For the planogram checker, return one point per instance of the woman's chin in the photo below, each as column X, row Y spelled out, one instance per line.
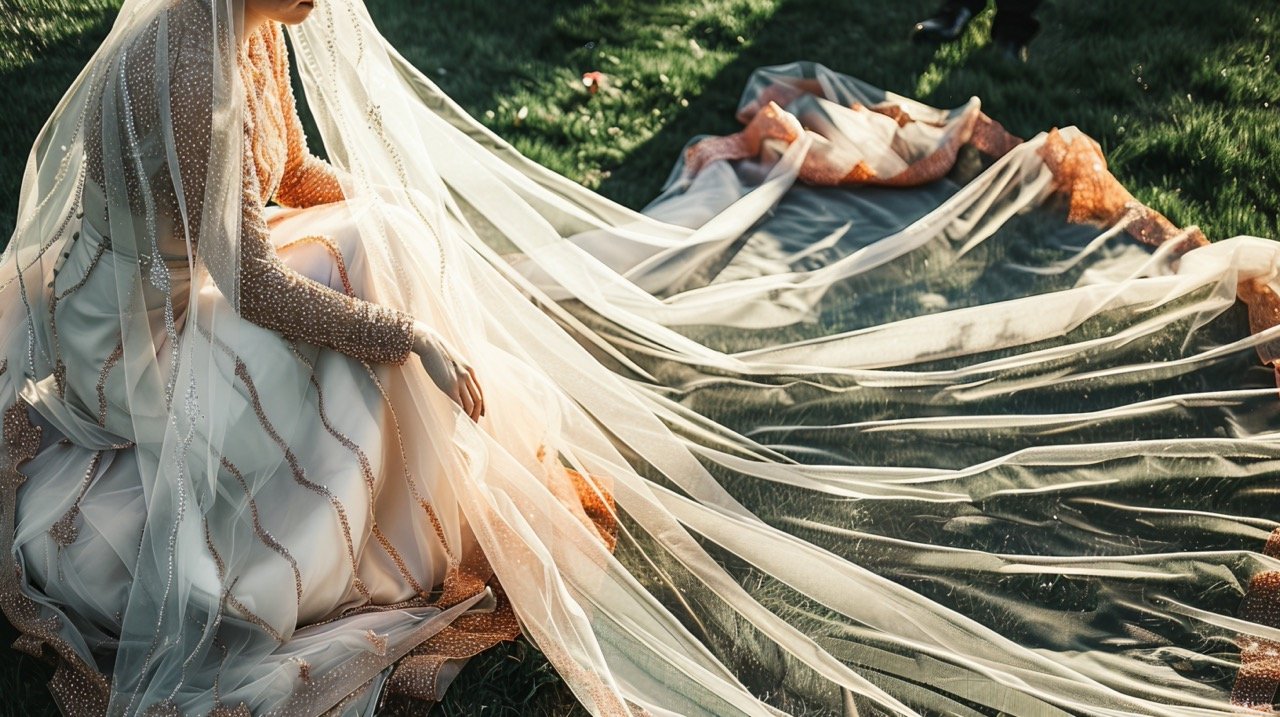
column 298, row 13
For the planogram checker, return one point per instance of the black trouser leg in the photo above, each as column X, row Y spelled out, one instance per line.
column 1015, row 21
column 949, row 22
column 973, row 6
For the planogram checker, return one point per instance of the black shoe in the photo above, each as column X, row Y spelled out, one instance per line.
column 946, row 26
column 1011, row 51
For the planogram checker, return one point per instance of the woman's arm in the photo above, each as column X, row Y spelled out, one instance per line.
column 276, row 297
column 244, row 264
column 308, row 180
column 270, row 294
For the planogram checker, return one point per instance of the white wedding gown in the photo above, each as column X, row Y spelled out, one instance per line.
column 875, row 410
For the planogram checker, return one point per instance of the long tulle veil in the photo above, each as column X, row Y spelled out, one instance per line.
column 1005, row 447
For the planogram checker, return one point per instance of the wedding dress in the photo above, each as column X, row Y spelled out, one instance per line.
column 876, row 410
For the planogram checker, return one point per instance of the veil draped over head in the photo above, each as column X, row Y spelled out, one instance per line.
column 875, row 410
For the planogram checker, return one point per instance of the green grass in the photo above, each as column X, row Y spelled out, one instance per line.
column 1182, row 96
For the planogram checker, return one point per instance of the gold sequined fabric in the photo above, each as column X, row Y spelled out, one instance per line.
column 1264, row 313
column 1258, row 677
column 831, row 162
column 1094, row 196
column 417, row 676
column 307, row 180
column 77, row 687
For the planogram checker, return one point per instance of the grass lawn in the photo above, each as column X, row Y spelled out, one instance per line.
column 1182, row 96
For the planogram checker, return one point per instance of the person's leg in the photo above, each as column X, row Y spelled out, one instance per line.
column 1014, row 26
column 323, row 244
column 973, row 6
column 949, row 22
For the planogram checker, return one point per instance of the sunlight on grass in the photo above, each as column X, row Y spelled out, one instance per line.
column 656, row 59
column 954, row 54
column 27, row 35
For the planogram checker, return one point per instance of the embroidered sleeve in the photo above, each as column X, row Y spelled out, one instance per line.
column 244, row 264
column 308, row 180
column 276, row 297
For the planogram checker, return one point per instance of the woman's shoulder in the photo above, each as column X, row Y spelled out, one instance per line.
column 197, row 41
column 180, row 45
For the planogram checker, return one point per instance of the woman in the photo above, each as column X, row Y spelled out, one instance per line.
column 231, row 491
column 152, row 262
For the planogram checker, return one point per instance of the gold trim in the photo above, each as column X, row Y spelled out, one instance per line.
column 300, row 476
column 77, row 687
column 114, row 357
column 366, row 472
column 265, row 536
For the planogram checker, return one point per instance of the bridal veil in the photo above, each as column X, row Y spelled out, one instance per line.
column 875, row 410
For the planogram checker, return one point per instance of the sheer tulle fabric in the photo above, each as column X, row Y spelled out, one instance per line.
column 803, row 437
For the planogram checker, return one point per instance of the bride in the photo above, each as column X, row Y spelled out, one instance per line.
column 876, row 410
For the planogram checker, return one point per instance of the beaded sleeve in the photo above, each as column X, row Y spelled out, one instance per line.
column 308, row 180
column 276, row 297
column 246, row 265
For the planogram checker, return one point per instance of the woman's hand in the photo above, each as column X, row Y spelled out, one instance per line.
column 448, row 370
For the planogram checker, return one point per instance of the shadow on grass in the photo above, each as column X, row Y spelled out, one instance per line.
column 799, row 30
column 1179, row 95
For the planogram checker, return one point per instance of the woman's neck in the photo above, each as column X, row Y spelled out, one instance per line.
column 253, row 22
